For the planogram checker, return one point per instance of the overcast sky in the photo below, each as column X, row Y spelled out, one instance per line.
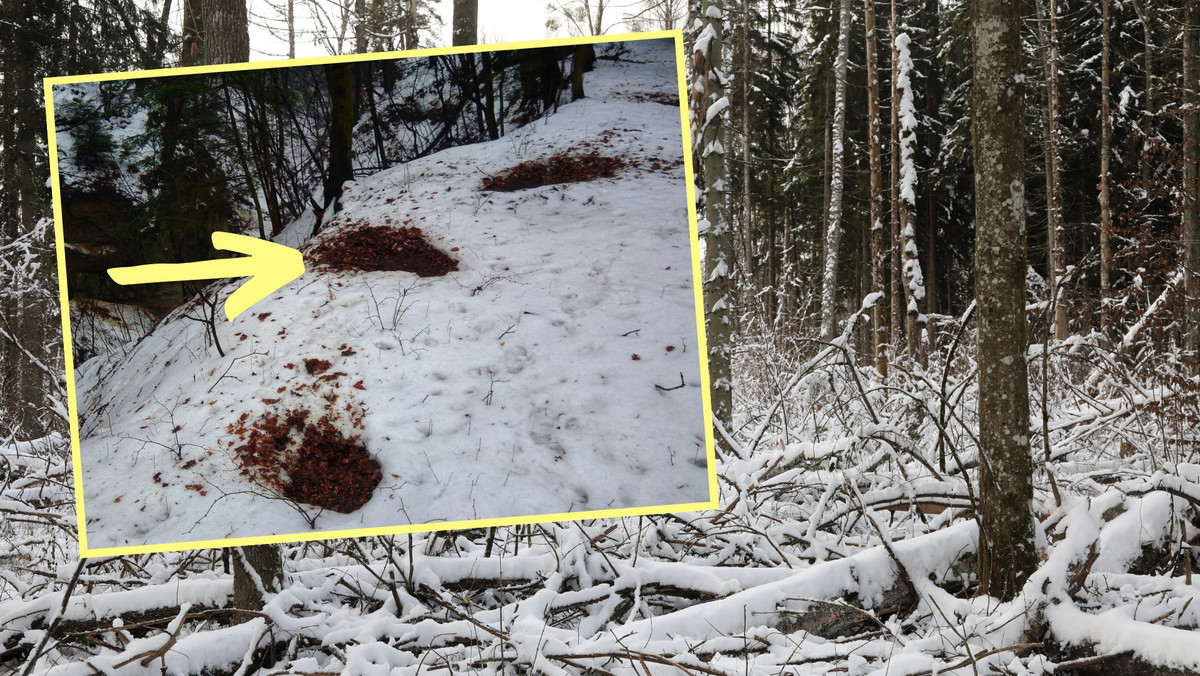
column 499, row 21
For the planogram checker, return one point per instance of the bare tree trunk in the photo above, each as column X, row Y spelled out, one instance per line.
column 1007, row 552
column 360, row 26
column 1191, row 177
column 224, row 38
column 1056, row 214
column 878, row 237
column 1147, row 19
column 466, row 22
column 291, row 25
column 226, row 31
column 718, row 255
column 1106, row 228
column 914, row 283
column 894, row 191
column 833, row 229
column 1054, row 222
column 257, row 571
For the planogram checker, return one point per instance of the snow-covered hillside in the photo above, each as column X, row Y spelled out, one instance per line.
column 541, row 377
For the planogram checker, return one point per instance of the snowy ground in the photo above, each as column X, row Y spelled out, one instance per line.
column 522, row 384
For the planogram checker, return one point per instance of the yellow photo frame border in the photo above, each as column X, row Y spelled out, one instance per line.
column 680, row 62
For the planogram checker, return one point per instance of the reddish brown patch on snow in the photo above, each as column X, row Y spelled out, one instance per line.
column 560, row 168
column 309, row 462
column 375, row 248
column 316, row 366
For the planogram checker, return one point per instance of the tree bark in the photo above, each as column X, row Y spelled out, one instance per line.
column 578, row 60
column 1054, row 200
column 718, row 255
column 833, row 229
column 257, row 571
column 466, row 22
column 1007, row 551
column 1106, row 228
column 1191, row 177
column 341, row 130
column 897, row 277
column 879, row 275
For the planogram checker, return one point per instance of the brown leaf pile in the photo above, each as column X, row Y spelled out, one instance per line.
column 308, row 462
column 560, row 168
column 375, row 248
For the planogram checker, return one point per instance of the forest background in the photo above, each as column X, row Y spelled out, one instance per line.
column 857, row 443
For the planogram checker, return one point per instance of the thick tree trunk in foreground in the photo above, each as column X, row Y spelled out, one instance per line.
column 224, row 38
column 1007, row 554
column 264, row 574
column 215, row 31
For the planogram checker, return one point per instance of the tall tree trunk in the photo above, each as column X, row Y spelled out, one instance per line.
column 1145, row 15
column 215, row 31
column 1106, row 227
column 897, row 277
column 257, row 571
column 192, row 38
column 226, row 31
column 1191, row 176
column 879, row 328
column 579, row 59
column 489, row 96
column 1007, row 552
column 931, row 142
column 466, row 22
column 341, row 130
column 718, row 255
column 411, row 26
column 360, row 26
column 1054, row 200
column 291, row 26
column 914, row 283
column 747, row 221
column 833, row 229
column 222, row 36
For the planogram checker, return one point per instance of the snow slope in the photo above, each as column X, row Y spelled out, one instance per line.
column 524, row 383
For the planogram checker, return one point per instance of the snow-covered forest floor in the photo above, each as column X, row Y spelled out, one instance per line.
column 845, row 543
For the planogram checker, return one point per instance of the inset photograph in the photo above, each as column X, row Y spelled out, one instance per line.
column 496, row 318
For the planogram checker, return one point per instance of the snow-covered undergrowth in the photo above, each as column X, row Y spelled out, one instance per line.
column 845, row 544
column 554, row 371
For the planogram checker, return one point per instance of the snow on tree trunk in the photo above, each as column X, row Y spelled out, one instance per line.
column 257, row 572
column 914, row 282
column 1054, row 201
column 1007, row 552
column 897, row 275
column 1191, row 178
column 878, row 236
column 833, row 229
column 1106, row 227
column 718, row 238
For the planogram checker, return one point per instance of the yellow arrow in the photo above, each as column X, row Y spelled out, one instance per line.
column 267, row 264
